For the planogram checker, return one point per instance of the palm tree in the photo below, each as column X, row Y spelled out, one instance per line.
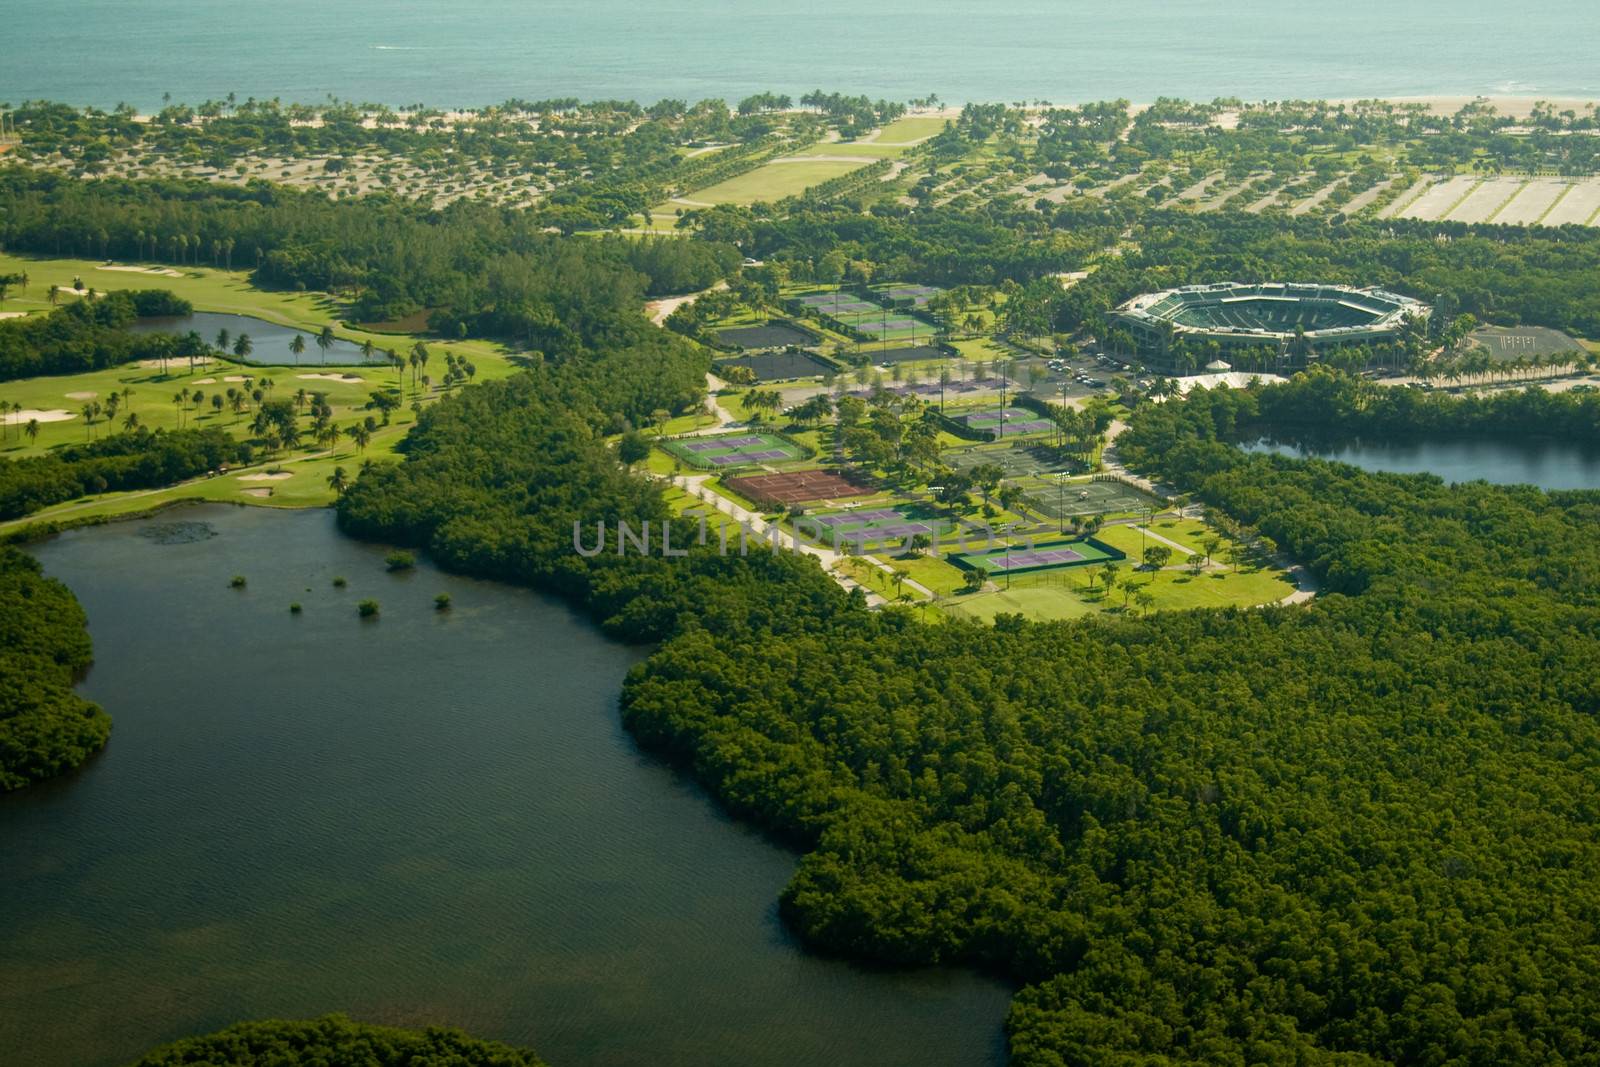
column 297, row 346
column 32, row 430
column 55, row 295
column 361, row 436
column 131, row 423
column 367, row 348
column 338, row 481
column 88, row 420
column 325, row 341
column 242, row 347
column 223, row 340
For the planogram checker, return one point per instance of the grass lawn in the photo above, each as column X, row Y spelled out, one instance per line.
column 911, row 128
column 940, row 575
column 151, row 398
column 981, row 348
column 149, row 392
column 1131, row 541
column 774, row 181
column 1065, row 594
column 231, row 291
column 305, row 486
column 867, row 151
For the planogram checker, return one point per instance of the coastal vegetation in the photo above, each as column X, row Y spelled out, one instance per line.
column 45, row 728
column 1137, row 857
column 1360, row 831
column 332, row 1041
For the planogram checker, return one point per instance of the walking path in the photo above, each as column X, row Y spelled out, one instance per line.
column 694, row 485
column 1305, row 583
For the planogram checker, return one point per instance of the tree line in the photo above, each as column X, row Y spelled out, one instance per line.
column 45, row 727
column 335, row 1041
column 471, row 266
column 135, row 459
column 86, row 335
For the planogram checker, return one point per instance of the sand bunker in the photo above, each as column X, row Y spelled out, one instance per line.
column 235, row 378
column 332, row 377
column 267, row 476
column 256, row 492
column 27, row 415
column 165, row 272
column 175, row 361
column 205, row 381
column 13, row 314
column 81, row 396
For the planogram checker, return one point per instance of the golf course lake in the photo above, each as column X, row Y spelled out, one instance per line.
column 427, row 817
column 269, row 342
column 1548, row 464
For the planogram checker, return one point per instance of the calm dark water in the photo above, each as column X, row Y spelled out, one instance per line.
column 269, row 342
column 1547, row 464
column 428, row 818
column 475, row 52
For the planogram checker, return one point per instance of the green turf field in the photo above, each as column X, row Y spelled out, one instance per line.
column 774, row 181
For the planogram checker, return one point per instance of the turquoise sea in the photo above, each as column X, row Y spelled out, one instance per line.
column 474, row 52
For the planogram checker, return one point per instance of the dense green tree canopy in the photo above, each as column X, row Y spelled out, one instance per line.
column 45, row 728
column 335, row 1041
column 87, row 335
column 1359, row 831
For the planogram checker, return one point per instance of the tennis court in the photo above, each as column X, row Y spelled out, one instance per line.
column 771, row 335
column 917, row 295
column 1020, row 558
column 874, row 525
column 778, row 366
column 1008, row 422
column 733, row 450
column 1078, row 499
column 1017, row 461
column 796, row 487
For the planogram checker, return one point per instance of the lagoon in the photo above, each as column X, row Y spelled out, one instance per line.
column 1548, row 464
column 433, row 817
column 269, row 342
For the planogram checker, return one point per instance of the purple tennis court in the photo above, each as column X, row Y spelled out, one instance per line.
column 1008, row 421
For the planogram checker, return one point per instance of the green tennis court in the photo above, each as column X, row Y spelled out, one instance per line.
column 1018, row 559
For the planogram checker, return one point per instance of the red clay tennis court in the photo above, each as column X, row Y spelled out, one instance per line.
column 795, row 487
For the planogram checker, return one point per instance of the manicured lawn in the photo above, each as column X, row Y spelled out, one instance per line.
column 940, row 575
column 912, row 128
column 867, row 151
column 151, row 398
column 1066, row 595
column 150, row 393
column 771, row 182
column 231, row 291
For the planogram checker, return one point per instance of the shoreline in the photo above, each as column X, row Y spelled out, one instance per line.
column 1510, row 105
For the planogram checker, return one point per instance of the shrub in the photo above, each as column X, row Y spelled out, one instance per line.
column 237, row 582
column 400, row 560
column 367, row 609
column 441, row 602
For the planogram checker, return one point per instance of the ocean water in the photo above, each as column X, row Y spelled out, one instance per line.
column 474, row 52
